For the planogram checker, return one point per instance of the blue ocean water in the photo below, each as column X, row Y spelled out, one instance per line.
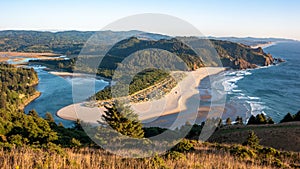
column 273, row 90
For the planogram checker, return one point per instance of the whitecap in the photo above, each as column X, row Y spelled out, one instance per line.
column 253, row 98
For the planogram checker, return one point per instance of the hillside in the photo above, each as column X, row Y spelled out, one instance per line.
column 129, row 46
column 228, row 54
column 231, row 54
column 283, row 136
column 65, row 43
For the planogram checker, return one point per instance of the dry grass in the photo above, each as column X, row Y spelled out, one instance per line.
column 283, row 136
column 89, row 158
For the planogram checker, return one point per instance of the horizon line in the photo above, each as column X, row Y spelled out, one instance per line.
column 208, row 36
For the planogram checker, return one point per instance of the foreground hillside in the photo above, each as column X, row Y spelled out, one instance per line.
column 202, row 155
column 283, row 136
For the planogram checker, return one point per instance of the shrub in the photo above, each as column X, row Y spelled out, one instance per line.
column 252, row 140
column 158, row 162
column 242, row 152
column 183, row 146
column 174, row 155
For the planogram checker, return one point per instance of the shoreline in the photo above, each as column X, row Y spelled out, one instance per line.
column 4, row 56
column 36, row 95
column 70, row 74
column 178, row 100
column 264, row 45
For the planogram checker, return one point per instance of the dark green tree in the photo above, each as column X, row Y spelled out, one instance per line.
column 239, row 120
column 297, row 116
column 252, row 120
column 123, row 120
column 287, row 118
column 261, row 119
column 270, row 120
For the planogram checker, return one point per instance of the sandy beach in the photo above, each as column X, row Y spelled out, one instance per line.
column 184, row 98
column 68, row 74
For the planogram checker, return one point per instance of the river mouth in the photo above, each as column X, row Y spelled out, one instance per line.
column 56, row 91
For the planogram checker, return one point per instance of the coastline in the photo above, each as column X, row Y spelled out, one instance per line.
column 175, row 101
column 263, row 45
column 36, row 95
column 4, row 56
column 70, row 74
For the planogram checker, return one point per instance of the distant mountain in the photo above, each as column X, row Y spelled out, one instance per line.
column 66, row 42
column 230, row 52
column 250, row 41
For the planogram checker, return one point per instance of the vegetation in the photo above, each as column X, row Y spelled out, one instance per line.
column 252, row 140
column 18, row 129
column 67, row 42
column 17, row 85
column 260, row 119
column 289, row 117
column 205, row 155
column 123, row 120
column 141, row 81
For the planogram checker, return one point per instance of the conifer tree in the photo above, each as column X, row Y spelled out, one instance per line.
column 287, row 118
column 122, row 119
column 228, row 121
column 252, row 140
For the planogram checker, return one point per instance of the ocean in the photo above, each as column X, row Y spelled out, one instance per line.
column 272, row 90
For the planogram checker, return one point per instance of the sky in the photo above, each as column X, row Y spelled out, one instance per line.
column 239, row 18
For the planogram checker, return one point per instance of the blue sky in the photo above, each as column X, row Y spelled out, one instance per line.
column 256, row 18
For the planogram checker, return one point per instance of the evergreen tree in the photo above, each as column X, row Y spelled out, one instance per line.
column 252, row 120
column 122, row 119
column 239, row 120
column 228, row 121
column 287, row 118
column 297, row 116
column 49, row 117
column 33, row 113
column 252, row 140
column 261, row 119
column 270, row 121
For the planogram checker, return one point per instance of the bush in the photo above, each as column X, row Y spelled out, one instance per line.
column 183, row 146
column 252, row 140
column 242, row 152
column 174, row 155
column 158, row 162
